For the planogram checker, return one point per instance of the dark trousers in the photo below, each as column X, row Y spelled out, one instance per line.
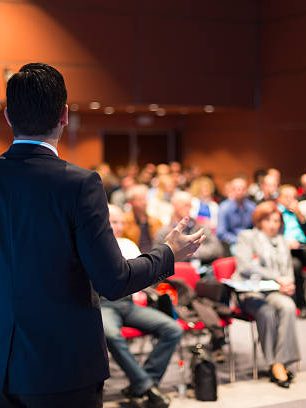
column 299, row 262
column 89, row 397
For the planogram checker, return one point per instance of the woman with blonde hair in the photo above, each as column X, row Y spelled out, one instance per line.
column 204, row 208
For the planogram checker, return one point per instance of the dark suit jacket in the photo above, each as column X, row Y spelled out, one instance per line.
column 56, row 245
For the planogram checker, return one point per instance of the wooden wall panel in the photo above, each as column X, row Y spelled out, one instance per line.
column 283, row 48
column 196, row 61
column 138, row 52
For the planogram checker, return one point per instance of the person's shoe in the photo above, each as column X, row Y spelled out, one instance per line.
column 290, row 375
column 282, row 379
column 134, row 401
column 127, row 392
column 156, row 399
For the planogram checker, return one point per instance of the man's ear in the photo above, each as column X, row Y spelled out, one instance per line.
column 7, row 117
column 64, row 116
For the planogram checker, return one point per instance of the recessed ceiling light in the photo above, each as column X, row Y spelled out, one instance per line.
column 153, row 107
column 74, row 107
column 130, row 109
column 109, row 110
column 94, row 105
column 209, row 108
column 161, row 112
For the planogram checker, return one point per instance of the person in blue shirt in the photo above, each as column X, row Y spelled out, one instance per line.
column 235, row 214
column 295, row 235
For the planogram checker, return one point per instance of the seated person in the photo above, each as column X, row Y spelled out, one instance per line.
column 159, row 198
column 139, row 227
column 254, row 189
column 211, row 249
column 302, row 188
column 204, row 207
column 268, row 189
column 263, row 253
column 118, row 197
column 143, row 380
column 294, row 233
column 235, row 214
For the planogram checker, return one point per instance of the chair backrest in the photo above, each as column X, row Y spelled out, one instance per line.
column 186, row 272
column 224, row 268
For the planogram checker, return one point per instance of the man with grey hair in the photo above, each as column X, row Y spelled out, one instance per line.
column 182, row 203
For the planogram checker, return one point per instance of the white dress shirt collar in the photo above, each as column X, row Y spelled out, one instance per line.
column 37, row 142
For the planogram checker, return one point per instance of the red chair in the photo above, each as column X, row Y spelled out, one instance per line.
column 224, row 268
column 187, row 273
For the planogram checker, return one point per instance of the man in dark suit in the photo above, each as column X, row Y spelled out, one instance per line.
column 57, row 255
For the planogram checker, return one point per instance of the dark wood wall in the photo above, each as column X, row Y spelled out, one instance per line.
column 246, row 54
column 166, row 51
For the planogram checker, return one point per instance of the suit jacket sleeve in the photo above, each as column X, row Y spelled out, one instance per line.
column 111, row 275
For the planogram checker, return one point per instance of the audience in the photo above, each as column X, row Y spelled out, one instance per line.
column 262, row 253
column 254, row 190
column 294, row 233
column 268, row 189
column 275, row 248
column 118, row 197
column 144, row 379
column 302, row 188
column 139, row 226
column 204, row 208
column 211, row 249
column 276, row 174
column 235, row 214
column 159, row 205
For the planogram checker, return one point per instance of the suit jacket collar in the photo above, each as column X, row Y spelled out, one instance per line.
column 28, row 150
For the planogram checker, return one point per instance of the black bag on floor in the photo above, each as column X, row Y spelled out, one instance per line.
column 204, row 379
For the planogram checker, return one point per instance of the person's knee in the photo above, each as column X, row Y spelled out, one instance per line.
column 288, row 307
column 113, row 336
column 266, row 313
column 172, row 330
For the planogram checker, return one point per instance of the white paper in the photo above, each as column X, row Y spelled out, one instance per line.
column 251, row 286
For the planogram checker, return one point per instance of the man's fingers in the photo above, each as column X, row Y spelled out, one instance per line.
column 197, row 236
column 182, row 224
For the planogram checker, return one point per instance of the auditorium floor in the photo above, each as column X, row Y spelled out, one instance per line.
column 244, row 393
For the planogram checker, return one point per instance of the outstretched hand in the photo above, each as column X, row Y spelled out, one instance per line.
column 183, row 246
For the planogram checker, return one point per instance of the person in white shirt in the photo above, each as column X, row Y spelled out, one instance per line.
column 143, row 380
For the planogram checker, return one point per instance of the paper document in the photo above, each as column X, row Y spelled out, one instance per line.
column 251, row 286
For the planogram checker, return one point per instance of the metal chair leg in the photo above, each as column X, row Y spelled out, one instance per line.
column 255, row 344
column 232, row 370
column 298, row 365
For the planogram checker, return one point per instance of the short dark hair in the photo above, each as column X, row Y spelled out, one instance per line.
column 36, row 97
